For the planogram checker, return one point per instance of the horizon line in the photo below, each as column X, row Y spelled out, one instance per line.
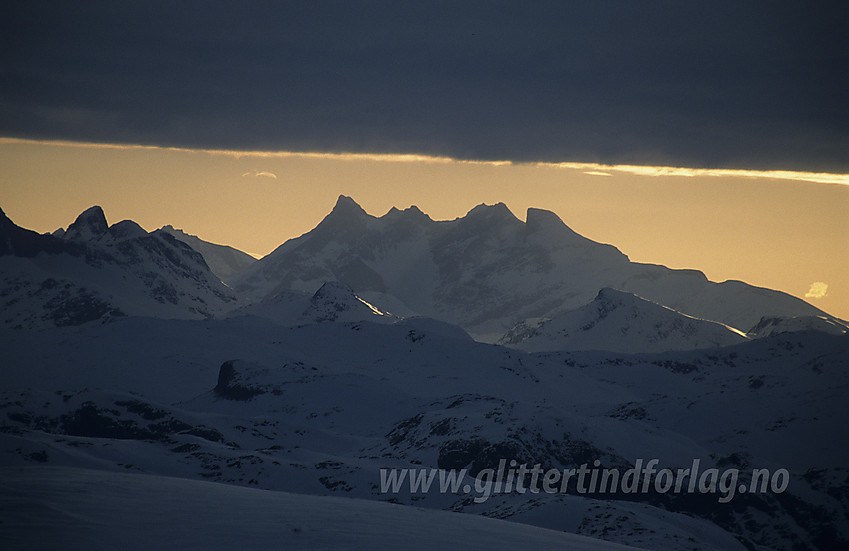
column 592, row 169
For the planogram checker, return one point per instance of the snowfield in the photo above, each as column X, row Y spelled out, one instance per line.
column 81, row 509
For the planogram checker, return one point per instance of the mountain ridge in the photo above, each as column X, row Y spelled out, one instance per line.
column 488, row 270
column 485, row 272
column 95, row 272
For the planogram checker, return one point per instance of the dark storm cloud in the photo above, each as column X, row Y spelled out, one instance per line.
column 733, row 84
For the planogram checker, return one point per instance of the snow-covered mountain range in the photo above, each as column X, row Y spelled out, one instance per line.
column 489, row 270
column 94, row 272
column 140, row 393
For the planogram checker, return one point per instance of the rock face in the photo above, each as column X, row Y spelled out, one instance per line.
column 489, row 270
column 234, row 382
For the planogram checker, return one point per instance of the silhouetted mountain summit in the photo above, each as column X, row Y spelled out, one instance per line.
column 90, row 224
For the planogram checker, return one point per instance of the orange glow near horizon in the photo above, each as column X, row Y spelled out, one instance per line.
column 777, row 229
column 593, row 169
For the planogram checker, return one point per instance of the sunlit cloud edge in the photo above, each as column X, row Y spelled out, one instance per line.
column 587, row 168
column 259, row 174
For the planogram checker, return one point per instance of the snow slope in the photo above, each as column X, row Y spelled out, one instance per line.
column 620, row 322
column 62, row 508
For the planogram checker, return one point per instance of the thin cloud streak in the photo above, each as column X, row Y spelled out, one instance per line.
column 594, row 169
column 259, row 174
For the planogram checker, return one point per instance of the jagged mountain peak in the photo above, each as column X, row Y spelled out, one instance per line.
column 346, row 217
column 91, row 223
column 347, row 206
column 172, row 230
column 487, row 270
column 410, row 213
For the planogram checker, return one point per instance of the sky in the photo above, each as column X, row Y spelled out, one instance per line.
column 489, row 101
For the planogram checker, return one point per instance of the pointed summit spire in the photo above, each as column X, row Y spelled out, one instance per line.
column 90, row 224
column 347, row 218
column 346, row 205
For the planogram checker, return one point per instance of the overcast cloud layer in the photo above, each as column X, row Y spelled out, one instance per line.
column 760, row 85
